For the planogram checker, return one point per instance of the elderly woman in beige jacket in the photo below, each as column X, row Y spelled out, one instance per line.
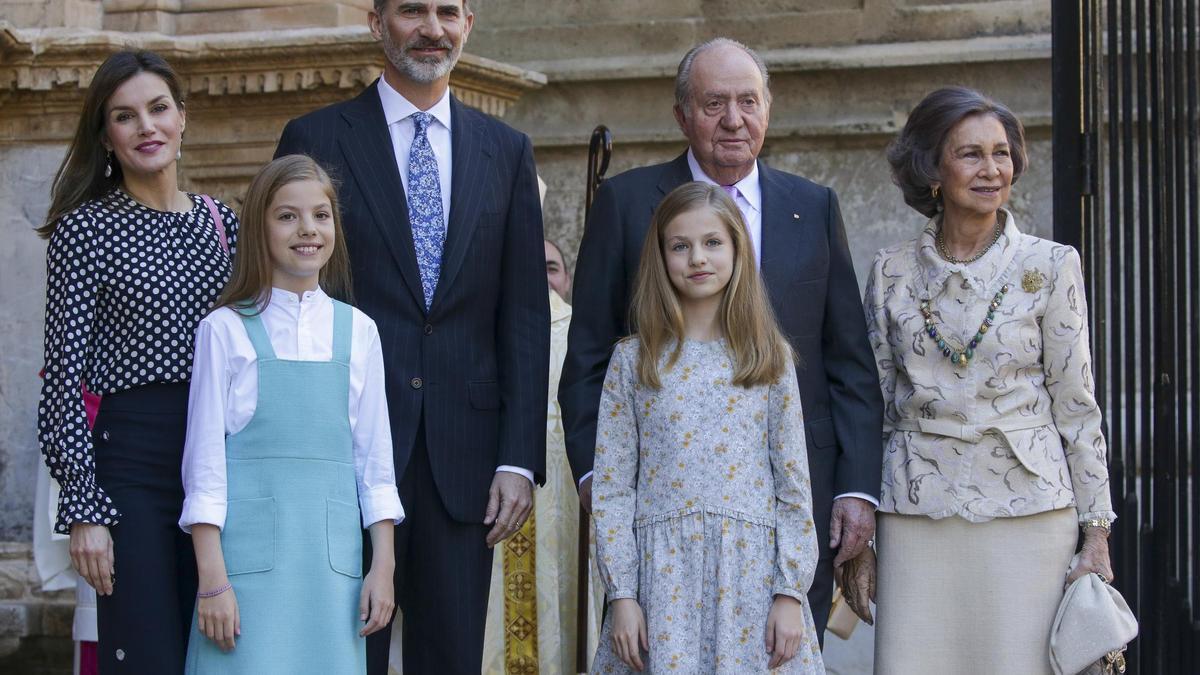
column 994, row 457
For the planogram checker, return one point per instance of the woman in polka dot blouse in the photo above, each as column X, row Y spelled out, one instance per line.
column 133, row 264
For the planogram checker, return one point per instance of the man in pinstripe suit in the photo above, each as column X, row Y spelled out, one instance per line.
column 444, row 230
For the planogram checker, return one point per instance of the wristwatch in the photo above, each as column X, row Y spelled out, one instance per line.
column 1102, row 523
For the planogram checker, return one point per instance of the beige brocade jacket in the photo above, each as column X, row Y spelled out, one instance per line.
column 1016, row 431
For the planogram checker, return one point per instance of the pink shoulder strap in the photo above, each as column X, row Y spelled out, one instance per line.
column 216, row 214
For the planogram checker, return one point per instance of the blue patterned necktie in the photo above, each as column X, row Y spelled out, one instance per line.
column 425, row 206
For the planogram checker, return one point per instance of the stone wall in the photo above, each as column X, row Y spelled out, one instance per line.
column 844, row 74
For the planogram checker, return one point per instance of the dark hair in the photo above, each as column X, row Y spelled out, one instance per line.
column 251, row 280
column 81, row 177
column 916, row 151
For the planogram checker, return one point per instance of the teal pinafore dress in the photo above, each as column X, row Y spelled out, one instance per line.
column 293, row 534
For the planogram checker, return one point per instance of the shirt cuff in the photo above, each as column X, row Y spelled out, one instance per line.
column 517, row 470
column 202, row 509
column 1097, row 515
column 585, row 477
column 859, row 495
column 782, row 589
column 380, row 503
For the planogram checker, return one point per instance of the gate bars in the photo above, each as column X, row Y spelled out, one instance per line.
column 1127, row 194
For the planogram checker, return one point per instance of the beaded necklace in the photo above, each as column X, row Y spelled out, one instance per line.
column 957, row 356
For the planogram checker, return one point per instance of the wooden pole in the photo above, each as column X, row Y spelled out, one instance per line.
column 599, row 153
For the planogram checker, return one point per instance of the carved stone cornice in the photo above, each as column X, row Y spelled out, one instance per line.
column 240, row 88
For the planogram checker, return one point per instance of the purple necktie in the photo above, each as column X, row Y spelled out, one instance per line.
column 732, row 190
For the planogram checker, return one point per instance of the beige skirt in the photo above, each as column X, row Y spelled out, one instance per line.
column 958, row 597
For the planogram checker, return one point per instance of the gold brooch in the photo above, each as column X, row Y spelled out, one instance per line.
column 1032, row 281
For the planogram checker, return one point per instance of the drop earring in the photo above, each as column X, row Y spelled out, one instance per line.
column 108, row 165
column 179, row 153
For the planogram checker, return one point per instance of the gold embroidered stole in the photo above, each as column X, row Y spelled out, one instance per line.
column 520, row 601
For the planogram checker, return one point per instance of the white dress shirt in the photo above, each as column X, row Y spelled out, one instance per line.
column 224, row 395
column 749, row 202
column 398, row 111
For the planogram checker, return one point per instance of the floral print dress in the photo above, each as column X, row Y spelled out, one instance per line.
column 703, row 511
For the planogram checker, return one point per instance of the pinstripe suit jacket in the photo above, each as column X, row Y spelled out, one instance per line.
column 475, row 365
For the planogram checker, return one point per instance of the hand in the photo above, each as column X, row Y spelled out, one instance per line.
column 851, row 527
column 585, row 495
column 509, row 502
column 92, row 554
column 857, row 581
column 785, row 630
column 1093, row 557
column 218, row 617
column 629, row 632
column 377, row 600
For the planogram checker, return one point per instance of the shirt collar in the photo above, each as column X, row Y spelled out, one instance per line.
column 987, row 272
column 287, row 298
column 749, row 188
column 397, row 108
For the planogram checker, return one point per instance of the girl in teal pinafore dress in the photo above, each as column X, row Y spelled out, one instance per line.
column 288, row 454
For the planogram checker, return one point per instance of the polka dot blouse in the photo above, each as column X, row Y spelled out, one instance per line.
column 126, row 287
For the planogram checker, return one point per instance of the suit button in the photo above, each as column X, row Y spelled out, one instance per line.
column 429, row 329
column 416, row 383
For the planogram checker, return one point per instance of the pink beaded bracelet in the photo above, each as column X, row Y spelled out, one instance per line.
column 213, row 594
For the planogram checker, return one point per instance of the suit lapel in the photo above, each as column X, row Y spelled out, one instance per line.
column 367, row 146
column 676, row 173
column 471, row 155
column 782, row 231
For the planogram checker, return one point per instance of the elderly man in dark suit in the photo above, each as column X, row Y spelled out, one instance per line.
column 722, row 106
column 444, row 230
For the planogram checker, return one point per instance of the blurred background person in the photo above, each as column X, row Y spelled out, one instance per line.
column 535, row 576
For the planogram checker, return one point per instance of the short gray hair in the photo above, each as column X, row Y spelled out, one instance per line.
column 683, row 77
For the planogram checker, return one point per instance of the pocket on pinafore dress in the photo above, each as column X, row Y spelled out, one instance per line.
column 248, row 539
column 344, row 530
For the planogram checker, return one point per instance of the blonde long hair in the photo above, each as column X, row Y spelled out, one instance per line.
column 760, row 351
column 252, row 267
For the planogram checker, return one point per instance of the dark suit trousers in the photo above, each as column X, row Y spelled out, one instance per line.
column 443, row 574
column 820, row 596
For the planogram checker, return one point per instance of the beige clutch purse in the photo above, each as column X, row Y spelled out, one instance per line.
column 842, row 619
column 1091, row 629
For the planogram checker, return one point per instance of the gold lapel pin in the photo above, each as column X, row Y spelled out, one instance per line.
column 1032, row 281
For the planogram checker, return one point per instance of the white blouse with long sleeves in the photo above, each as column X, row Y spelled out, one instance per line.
column 224, row 395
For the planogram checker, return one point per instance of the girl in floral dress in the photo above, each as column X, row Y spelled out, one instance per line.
column 703, row 509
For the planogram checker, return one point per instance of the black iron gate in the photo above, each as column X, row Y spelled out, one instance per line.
column 1127, row 194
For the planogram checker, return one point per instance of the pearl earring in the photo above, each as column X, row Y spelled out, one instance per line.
column 108, row 165
column 179, row 153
